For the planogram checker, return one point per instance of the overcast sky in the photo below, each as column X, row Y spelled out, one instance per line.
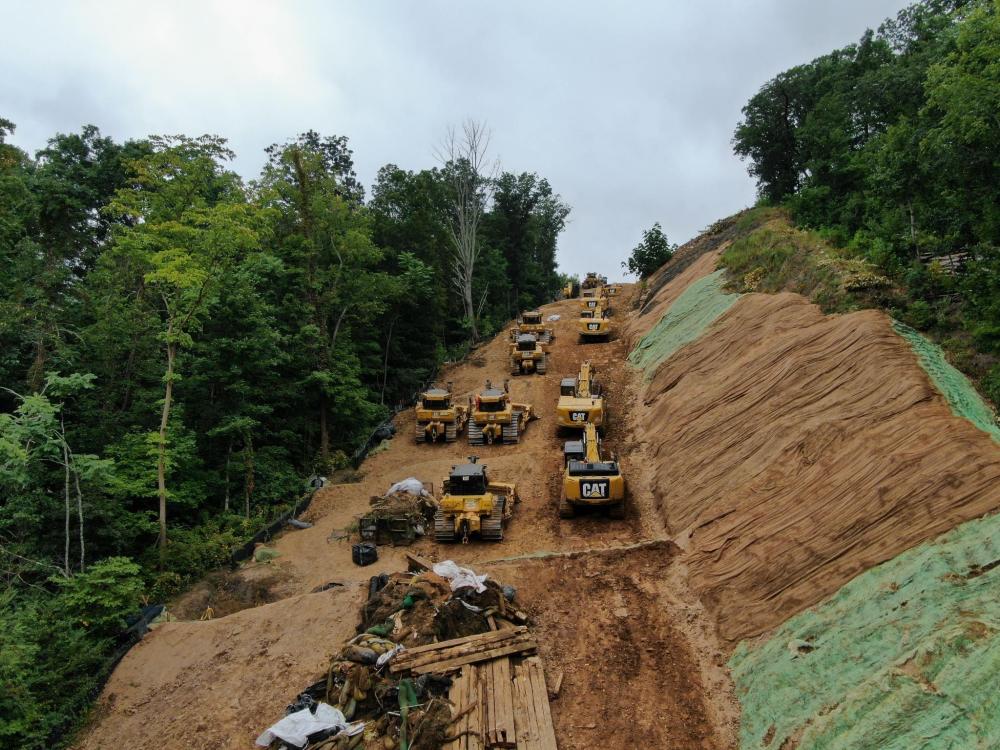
column 627, row 108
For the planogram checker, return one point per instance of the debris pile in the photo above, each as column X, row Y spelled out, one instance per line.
column 424, row 640
column 399, row 516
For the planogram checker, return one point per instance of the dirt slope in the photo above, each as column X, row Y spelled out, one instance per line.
column 217, row 684
column 792, row 451
column 640, row 660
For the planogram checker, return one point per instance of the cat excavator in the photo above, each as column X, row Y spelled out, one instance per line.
column 590, row 481
column 581, row 401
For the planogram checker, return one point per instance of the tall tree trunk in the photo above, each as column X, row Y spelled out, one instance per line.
column 229, row 455
column 36, row 373
column 385, row 362
column 79, row 513
column 161, row 467
column 324, row 432
column 248, row 484
column 913, row 230
column 65, row 449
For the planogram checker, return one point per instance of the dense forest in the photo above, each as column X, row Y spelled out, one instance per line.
column 181, row 349
column 890, row 149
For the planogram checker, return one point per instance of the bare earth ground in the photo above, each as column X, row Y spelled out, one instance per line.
column 610, row 603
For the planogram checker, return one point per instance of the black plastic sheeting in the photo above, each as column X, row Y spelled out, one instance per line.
column 245, row 551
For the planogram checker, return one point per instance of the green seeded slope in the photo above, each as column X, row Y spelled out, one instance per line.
column 905, row 656
column 953, row 385
column 689, row 316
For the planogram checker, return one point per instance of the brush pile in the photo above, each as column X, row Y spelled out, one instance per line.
column 366, row 701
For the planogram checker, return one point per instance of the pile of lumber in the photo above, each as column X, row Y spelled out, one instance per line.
column 450, row 655
column 501, row 703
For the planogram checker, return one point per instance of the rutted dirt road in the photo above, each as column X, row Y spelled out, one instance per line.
column 641, row 666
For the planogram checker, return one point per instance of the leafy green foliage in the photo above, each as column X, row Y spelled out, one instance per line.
column 654, row 250
column 169, row 332
column 888, row 147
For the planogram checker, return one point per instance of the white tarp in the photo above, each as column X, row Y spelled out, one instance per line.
column 411, row 486
column 553, row 318
column 296, row 728
column 459, row 577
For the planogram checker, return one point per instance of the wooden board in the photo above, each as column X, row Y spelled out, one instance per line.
column 509, row 706
column 519, row 646
column 448, row 651
column 479, row 637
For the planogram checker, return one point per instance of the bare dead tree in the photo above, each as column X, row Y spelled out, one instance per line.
column 464, row 157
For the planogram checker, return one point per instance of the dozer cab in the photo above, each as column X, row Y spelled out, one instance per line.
column 580, row 401
column 531, row 323
column 590, row 480
column 438, row 418
column 592, row 282
column 594, row 324
column 472, row 505
column 494, row 418
column 528, row 355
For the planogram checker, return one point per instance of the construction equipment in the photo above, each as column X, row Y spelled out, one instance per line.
column 594, row 324
column 571, row 290
column 473, row 505
column 527, row 355
column 612, row 290
column 493, row 417
column 438, row 418
column 581, row 401
column 531, row 323
column 590, row 480
column 592, row 283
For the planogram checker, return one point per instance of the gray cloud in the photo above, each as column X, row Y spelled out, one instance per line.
column 627, row 108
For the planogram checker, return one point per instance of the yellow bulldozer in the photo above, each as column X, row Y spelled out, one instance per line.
column 581, row 401
column 472, row 505
column 571, row 290
column 438, row 418
column 527, row 355
column 531, row 323
column 594, row 324
column 591, row 284
column 590, row 481
column 494, row 418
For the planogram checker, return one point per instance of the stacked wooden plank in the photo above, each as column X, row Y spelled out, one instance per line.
column 501, row 703
column 450, row 655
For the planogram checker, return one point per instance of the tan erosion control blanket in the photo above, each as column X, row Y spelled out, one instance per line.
column 792, row 451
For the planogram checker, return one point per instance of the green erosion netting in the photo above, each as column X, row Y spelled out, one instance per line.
column 960, row 394
column 905, row 656
column 689, row 316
